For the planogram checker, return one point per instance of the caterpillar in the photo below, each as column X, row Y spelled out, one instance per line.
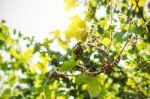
column 78, row 50
column 105, row 68
column 107, row 65
column 116, row 61
column 54, row 75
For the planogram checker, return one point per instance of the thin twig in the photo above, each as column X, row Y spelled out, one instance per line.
column 70, row 75
column 97, row 47
column 123, row 48
column 130, row 21
column 142, row 14
column 83, row 67
column 47, row 79
column 111, row 18
column 136, row 1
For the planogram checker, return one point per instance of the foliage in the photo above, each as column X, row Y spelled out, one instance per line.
column 111, row 59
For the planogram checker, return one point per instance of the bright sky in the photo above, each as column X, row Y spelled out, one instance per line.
column 34, row 17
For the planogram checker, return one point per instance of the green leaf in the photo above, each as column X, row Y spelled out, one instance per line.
column 3, row 30
column 137, row 29
column 112, row 27
column 132, row 51
column 103, row 94
column 118, row 36
column 103, row 24
column 93, row 86
column 47, row 92
column 92, row 82
column 68, row 65
column 6, row 93
column 148, row 56
column 82, row 79
column 73, row 56
column 124, row 57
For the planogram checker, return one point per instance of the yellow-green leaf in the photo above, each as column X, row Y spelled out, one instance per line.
column 27, row 55
column 62, row 44
column 77, row 29
column 105, row 41
column 140, row 2
column 56, row 33
column 14, row 53
column 70, row 4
